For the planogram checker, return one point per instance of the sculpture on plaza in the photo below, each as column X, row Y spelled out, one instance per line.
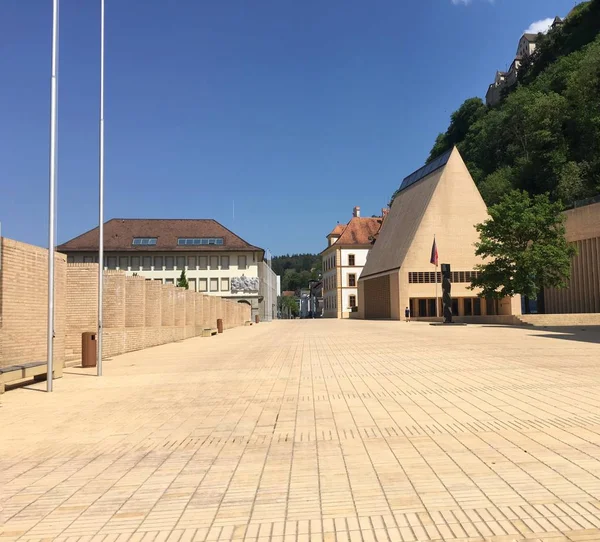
column 244, row 284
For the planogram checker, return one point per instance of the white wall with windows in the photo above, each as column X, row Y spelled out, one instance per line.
column 210, row 272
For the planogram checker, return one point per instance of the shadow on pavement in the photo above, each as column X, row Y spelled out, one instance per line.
column 588, row 334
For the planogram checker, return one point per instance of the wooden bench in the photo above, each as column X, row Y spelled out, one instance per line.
column 208, row 332
column 26, row 371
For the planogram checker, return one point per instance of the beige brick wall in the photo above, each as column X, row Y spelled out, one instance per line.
column 137, row 313
column 24, row 304
column 82, row 300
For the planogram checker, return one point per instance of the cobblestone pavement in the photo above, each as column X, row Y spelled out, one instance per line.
column 315, row 430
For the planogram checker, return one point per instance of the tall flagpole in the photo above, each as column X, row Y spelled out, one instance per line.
column 52, row 202
column 101, row 196
column 437, row 301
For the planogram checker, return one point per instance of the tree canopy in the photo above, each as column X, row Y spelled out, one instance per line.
column 524, row 247
column 297, row 270
column 544, row 137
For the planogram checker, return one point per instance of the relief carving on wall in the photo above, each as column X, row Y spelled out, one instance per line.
column 244, row 285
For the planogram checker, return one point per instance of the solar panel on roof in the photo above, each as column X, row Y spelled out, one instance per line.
column 434, row 165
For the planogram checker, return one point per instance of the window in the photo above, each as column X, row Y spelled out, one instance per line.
column 88, row 259
column 191, row 262
column 194, row 241
column 147, row 262
column 169, row 262
column 144, row 241
column 70, row 259
column 202, row 285
column 351, row 259
column 158, row 263
column 352, row 302
column 169, row 281
column 202, row 262
column 180, row 262
column 242, row 262
column 225, row 263
column 224, row 285
column 123, row 262
column 214, row 285
column 158, row 280
column 214, row 262
column 351, row 279
column 192, row 284
column 135, row 263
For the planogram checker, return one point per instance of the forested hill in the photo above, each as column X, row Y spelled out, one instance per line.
column 297, row 270
column 545, row 135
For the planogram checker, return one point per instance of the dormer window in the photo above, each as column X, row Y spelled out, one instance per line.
column 144, row 241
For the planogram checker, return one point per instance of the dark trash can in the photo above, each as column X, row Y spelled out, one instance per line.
column 220, row 325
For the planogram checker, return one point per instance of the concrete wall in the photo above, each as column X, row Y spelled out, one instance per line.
column 24, row 303
column 139, row 313
column 583, row 292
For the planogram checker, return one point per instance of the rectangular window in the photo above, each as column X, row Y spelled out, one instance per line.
column 191, row 262
column 202, row 285
column 145, row 241
column 147, row 262
column 135, row 263
column 225, row 262
column 169, row 262
column 214, row 285
column 158, row 263
column 468, row 306
column 351, row 259
column 169, row 281
column 224, row 285
column 158, row 280
column 241, row 262
column 352, row 301
column 196, row 241
column 180, row 262
column 192, row 284
column 123, row 262
column 431, row 307
column 112, row 262
column 214, row 262
column 88, row 259
column 202, row 262
column 70, row 259
column 477, row 306
column 352, row 279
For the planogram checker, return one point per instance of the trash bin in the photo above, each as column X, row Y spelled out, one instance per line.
column 256, row 318
column 88, row 349
column 220, row 325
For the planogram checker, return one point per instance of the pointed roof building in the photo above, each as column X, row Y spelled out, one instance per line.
column 438, row 200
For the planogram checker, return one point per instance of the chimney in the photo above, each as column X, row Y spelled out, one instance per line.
column 356, row 212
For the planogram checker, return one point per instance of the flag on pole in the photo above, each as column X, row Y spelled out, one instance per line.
column 434, row 254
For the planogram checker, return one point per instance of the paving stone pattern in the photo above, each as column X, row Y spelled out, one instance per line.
column 325, row 430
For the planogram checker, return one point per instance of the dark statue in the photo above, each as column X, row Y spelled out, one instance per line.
column 446, row 289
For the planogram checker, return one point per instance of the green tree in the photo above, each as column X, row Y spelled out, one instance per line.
column 182, row 281
column 495, row 186
column 524, row 247
column 288, row 306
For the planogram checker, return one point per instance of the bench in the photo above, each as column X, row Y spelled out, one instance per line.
column 25, row 371
column 208, row 332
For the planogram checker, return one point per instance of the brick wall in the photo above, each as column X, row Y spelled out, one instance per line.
column 139, row 313
column 24, row 303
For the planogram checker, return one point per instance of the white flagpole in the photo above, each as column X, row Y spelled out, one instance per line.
column 52, row 202
column 437, row 301
column 101, row 196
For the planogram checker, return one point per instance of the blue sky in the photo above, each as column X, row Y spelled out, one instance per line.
column 297, row 111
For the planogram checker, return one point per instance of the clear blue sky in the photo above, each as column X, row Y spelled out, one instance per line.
column 296, row 110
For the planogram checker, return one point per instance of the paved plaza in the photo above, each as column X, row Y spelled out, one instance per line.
column 315, row 430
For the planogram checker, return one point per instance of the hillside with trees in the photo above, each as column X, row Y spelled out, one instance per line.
column 297, row 270
column 544, row 137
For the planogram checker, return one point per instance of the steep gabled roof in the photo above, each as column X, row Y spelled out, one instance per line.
column 360, row 231
column 457, row 203
column 338, row 230
column 120, row 232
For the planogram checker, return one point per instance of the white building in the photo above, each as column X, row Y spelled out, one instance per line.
column 216, row 261
column 343, row 261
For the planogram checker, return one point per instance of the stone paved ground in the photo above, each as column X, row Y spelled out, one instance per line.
column 315, row 430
